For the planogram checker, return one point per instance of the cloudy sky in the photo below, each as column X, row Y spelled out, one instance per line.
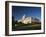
column 19, row 11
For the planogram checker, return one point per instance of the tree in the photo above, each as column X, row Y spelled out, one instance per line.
column 13, row 23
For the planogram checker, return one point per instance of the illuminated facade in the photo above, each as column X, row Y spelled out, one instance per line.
column 27, row 20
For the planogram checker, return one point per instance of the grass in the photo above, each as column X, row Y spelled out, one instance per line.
column 29, row 26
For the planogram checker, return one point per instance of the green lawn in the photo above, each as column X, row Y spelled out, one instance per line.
column 26, row 27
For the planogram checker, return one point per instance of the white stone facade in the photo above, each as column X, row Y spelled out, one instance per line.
column 27, row 20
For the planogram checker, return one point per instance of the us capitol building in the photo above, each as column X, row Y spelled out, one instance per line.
column 26, row 20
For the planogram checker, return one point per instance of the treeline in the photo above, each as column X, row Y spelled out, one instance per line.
column 22, row 24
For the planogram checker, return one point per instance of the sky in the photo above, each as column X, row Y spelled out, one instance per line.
column 19, row 11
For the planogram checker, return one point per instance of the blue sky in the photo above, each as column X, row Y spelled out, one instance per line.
column 19, row 11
